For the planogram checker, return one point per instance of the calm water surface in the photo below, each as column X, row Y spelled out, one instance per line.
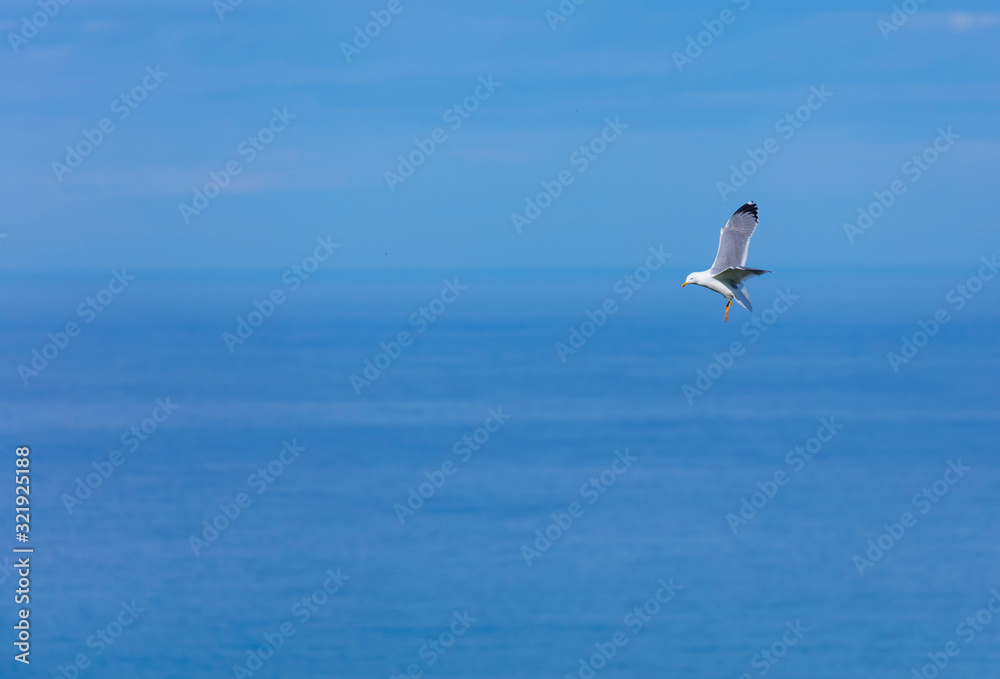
column 458, row 561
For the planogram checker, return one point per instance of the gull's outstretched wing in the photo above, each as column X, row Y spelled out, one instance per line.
column 735, row 275
column 734, row 240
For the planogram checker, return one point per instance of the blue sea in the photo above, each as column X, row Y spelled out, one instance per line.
column 493, row 505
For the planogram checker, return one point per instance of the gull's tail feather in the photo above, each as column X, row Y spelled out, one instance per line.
column 741, row 296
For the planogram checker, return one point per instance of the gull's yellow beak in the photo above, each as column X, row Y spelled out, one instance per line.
column 685, row 283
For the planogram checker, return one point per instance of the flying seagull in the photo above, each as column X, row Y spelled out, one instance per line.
column 728, row 273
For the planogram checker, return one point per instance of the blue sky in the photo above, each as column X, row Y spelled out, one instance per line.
column 655, row 184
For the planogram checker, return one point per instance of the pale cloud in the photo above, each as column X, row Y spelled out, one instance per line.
column 969, row 21
column 173, row 181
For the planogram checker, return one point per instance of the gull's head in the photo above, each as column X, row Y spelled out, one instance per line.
column 692, row 278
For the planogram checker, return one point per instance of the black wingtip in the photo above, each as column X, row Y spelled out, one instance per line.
column 750, row 207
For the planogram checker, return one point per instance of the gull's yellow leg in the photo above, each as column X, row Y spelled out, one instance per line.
column 727, row 310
